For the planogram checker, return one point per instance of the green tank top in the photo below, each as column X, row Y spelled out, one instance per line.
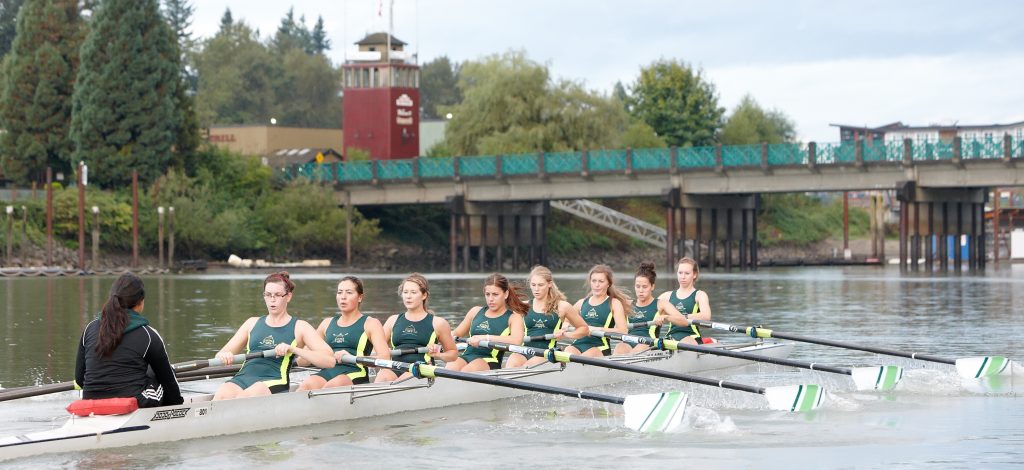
column 412, row 334
column 352, row 338
column 642, row 314
column 264, row 337
column 538, row 324
column 599, row 315
column 685, row 305
column 484, row 325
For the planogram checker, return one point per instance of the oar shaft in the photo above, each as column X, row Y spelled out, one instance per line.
column 425, row 370
column 756, row 332
column 561, row 356
column 681, row 346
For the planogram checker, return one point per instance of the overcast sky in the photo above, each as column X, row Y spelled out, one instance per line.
column 820, row 62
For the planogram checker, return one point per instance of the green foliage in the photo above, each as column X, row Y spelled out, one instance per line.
column 750, row 124
column 423, row 224
column 357, row 154
column 678, row 102
column 124, row 115
column 567, row 235
column 510, row 105
column 38, row 82
column 439, row 81
column 801, row 220
column 639, row 135
column 8, row 20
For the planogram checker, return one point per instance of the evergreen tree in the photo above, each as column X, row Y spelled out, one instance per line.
column 125, row 116
column 439, row 81
column 226, row 21
column 179, row 18
column 318, row 38
column 39, row 78
column 8, row 21
column 292, row 35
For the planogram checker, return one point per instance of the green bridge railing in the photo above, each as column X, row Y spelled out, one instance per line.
column 653, row 160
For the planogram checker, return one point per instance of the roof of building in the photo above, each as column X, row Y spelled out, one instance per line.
column 288, row 157
column 374, row 39
column 899, row 126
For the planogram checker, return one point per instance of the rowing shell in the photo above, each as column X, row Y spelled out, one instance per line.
column 201, row 417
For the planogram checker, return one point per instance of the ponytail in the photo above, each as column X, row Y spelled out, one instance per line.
column 126, row 293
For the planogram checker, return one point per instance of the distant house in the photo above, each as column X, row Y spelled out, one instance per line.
column 284, row 158
column 897, row 132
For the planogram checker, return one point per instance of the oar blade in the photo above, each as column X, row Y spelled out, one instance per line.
column 655, row 412
column 982, row 366
column 876, row 378
column 794, row 398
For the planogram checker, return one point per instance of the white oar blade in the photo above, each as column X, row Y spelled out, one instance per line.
column 876, row 378
column 983, row 366
column 655, row 412
column 794, row 397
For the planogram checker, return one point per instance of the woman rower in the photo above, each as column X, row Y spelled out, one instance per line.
column 645, row 309
column 686, row 303
column 605, row 307
column 279, row 331
column 348, row 333
column 548, row 311
column 417, row 327
column 500, row 321
column 117, row 350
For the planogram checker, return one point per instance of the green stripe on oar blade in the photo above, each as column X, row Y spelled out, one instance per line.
column 984, row 366
column 655, row 412
column 876, row 378
column 794, row 397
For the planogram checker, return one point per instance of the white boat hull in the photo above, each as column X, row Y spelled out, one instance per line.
column 200, row 417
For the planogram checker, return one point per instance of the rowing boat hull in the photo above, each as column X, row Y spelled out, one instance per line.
column 200, row 417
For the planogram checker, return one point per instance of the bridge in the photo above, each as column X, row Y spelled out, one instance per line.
column 708, row 191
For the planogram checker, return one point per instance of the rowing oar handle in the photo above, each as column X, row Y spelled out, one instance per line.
column 756, row 332
column 238, row 359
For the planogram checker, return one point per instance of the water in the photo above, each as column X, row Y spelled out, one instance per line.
column 932, row 419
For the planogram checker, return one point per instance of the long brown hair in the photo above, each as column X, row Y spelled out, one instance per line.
column 613, row 292
column 421, row 282
column 281, row 277
column 126, row 293
column 554, row 295
column 514, row 302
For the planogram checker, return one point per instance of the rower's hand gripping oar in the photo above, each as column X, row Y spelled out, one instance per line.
column 204, row 363
column 864, row 378
column 968, row 367
column 785, row 398
column 656, row 412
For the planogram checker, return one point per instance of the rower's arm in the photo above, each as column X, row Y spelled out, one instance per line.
column 571, row 315
column 704, row 313
column 322, row 332
column 672, row 314
column 619, row 317
column 316, row 350
column 516, row 330
column 236, row 344
column 376, row 333
column 444, row 336
column 80, row 364
column 462, row 330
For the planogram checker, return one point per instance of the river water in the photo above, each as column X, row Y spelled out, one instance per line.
column 933, row 419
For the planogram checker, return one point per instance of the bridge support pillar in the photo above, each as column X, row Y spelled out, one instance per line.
column 489, row 229
column 712, row 229
column 948, row 221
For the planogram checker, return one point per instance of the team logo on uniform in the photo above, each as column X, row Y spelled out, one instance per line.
column 268, row 341
column 539, row 323
column 340, row 337
column 680, row 306
column 483, row 326
column 636, row 314
column 409, row 330
column 592, row 313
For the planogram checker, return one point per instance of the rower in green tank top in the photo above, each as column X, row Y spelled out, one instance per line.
column 279, row 331
column 417, row 327
column 549, row 312
column 645, row 309
column 686, row 303
column 605, row 308
column 348, row 333
column 500, row 321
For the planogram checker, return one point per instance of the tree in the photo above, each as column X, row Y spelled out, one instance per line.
column 236, row 78
column 8, row 21
column 292, row 35
column 124, row 115
column 678, row 102
column 439, row 86
column 750, row 124
column 39, row 77
column 226, row 20
column 306, row 92
column 511, row 105
column 318, row 38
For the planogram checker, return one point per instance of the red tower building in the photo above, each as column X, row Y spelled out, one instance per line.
column 381, row 99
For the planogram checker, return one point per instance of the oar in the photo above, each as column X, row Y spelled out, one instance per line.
column 179, row 368
column 656, row 412
column 865, row 378
column 970, row 367
column 786, row 398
